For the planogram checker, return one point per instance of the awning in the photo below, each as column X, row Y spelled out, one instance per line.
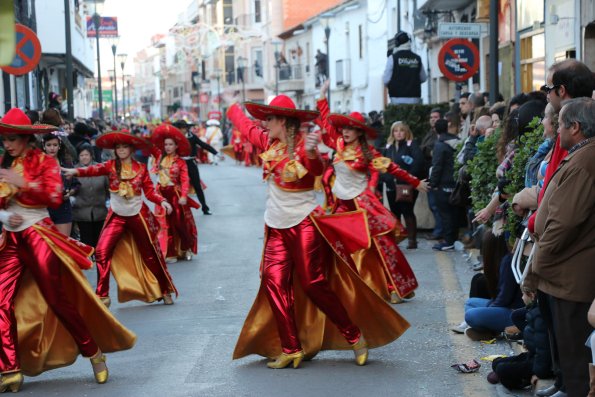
column 444, row 5
column 58, row 61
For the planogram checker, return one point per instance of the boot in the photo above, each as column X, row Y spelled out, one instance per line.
column 592, row 382
column 411, row 224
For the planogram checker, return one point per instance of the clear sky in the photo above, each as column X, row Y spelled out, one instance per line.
column 138, row 21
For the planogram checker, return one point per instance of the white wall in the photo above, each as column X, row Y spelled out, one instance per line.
column 51, row 32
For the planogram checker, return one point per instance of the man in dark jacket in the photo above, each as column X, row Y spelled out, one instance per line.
column 443, row 183
column 193, row 173
column 404, row 73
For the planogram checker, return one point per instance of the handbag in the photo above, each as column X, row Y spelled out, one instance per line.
column 404, row 194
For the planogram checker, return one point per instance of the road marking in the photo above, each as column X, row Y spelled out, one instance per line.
column 472, row 384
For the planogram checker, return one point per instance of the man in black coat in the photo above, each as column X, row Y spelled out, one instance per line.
column 193, row 173
column 442, row 182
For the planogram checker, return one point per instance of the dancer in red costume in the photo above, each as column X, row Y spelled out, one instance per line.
column 128, row 243
column 356, row 166
column 173, row 184
column 300, row 289
column 48, row 313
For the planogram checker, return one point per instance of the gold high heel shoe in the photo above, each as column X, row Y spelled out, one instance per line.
column 12, row 381
column 395, row 298
column 167, row 299
column 360, row 349
column 285, row 359
column 100, row 375
column 106, row 301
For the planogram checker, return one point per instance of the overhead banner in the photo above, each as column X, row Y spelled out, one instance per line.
column 108, row 27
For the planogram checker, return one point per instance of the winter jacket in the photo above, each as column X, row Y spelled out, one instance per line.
column 441, row 173
column 89, row 203
column 406, row 152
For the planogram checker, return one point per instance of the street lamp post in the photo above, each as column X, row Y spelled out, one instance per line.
column 276, row 66
column 112, row 79
column 122, row 59
column 327, row 34
column 196, row 86
column 97, row 24
column 217, row 74
column 114, row 48
column 242, row 75
column 128, row 89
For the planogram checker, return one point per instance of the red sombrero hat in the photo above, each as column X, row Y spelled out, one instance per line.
column 354, row 120
column 109, row 140
column 15, row 121
column 281, row 105
column 169, row 131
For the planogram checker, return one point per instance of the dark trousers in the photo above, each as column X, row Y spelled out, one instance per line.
column 89, row 232
column 449, row 215
column 514, row 372
column 572, row 330
column 194, row 176
column 544, row 302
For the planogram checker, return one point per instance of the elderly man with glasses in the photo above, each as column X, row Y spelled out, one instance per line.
column 563, row 264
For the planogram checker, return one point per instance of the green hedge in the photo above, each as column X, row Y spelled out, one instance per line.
column 482, row 169
column 417, row 117
column 528, row 145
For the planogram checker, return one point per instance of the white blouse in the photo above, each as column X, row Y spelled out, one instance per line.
column 286, row 209
column 348, row 183
column 125, row 207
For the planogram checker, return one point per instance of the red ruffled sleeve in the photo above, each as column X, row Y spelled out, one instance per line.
column 249, row 129
column 184, row 179
column 100, row 169
column 148, row 188
column 331, row 136
column 45, row 188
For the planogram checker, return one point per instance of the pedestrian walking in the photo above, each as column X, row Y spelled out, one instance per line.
column 128, row 245
column 293, row 247
column 41, row 326
column 173, row 184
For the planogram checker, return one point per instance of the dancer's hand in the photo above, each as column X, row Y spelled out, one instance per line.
column 9, row 176
column 69, row 172
column 167, row 207
column 183, row 201
column 312, row 140
column 423, row 186
column 15, row 220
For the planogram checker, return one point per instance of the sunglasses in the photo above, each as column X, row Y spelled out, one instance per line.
column 548, row 88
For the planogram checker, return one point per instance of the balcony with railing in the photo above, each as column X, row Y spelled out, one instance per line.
column 291, row 77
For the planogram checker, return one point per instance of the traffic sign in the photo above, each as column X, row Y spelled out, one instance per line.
column 447, row 30
column 27, row 52
column 458, row 59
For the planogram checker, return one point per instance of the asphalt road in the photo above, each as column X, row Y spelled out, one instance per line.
column 185, row 349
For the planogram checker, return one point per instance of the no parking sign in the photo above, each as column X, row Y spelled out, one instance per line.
column 458, row 59
column 27, row 52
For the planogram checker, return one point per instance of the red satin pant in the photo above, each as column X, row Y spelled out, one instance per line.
column 28, row 248
column 177, row 224
column 110, row 235
column 299, row 248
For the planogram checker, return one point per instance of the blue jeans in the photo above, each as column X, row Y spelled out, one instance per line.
column 479, row 315
column 434, row 208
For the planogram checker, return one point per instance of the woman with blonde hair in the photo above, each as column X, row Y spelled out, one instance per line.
column 404, row 151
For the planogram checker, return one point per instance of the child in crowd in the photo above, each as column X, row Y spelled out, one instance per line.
column 527, row 368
